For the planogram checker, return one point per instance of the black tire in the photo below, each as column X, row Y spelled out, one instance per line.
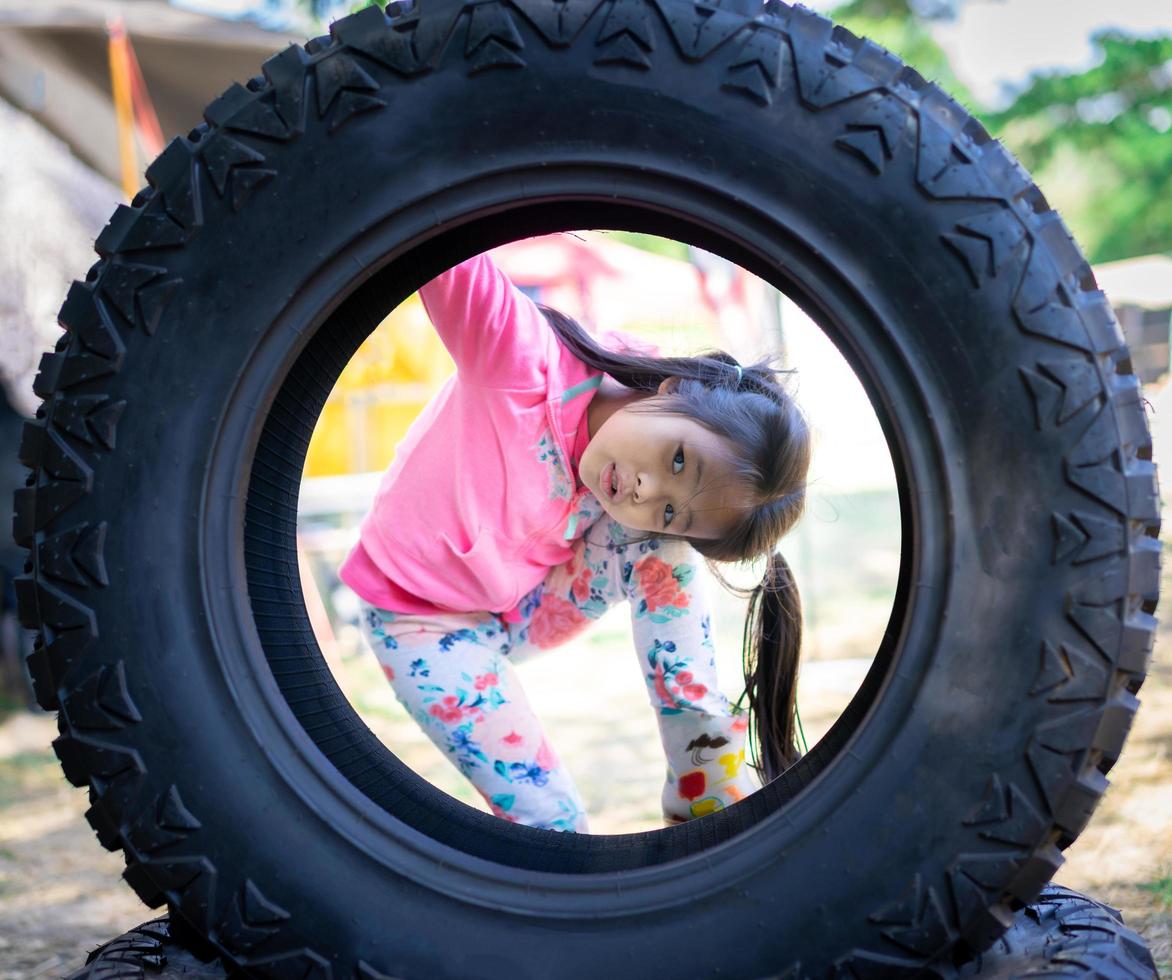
column 1065, row 934
column 156, row 950
column 194, row 704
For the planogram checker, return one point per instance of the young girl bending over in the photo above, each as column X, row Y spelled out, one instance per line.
column 548, row 479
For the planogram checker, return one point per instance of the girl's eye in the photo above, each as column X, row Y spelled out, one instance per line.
column 678, row 458
column 668, row 514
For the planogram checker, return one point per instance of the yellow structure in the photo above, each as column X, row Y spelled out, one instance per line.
column 378, row 395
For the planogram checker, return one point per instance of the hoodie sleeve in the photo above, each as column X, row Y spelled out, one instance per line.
column 496, row 335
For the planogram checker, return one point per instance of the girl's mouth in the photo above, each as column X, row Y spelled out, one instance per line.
column 609, row 481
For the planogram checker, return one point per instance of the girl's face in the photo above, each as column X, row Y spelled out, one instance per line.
column 663, row 473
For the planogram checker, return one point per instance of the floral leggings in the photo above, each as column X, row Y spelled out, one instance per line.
column 453, row 675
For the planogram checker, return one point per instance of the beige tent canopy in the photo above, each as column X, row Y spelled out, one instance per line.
column 53, row 65
column 1145, row 281
column 56, row 111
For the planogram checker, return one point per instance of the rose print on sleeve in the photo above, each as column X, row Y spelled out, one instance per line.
column 663, row 599
column 691, row 690
column 666, row 701
column 675, row 686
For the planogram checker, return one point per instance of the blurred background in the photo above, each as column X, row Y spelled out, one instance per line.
column 90, row 90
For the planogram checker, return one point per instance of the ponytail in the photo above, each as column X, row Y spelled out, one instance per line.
column 771, row 648
column 645, row 372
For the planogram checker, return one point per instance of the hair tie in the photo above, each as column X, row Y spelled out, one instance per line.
column 740, row 373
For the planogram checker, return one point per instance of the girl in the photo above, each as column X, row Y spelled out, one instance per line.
column 548, row 479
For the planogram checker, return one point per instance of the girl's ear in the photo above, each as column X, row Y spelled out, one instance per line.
column 669, row 386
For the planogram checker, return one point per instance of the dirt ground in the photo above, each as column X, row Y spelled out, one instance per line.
column 60, row 893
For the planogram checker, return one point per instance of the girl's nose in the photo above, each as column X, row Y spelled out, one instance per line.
column 644, row 487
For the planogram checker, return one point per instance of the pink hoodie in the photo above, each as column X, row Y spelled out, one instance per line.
column 483, row 496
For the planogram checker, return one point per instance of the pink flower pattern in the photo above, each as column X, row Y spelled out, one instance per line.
column 659, row 585
column 581, row 586
column 555, row 621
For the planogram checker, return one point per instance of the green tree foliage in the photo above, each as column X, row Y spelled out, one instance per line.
column 903, row 27
column 1099, row 143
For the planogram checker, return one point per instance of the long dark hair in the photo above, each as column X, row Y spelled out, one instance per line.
column 754, row 412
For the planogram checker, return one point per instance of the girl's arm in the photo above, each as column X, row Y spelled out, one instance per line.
column 703, row 739
column 496, row 335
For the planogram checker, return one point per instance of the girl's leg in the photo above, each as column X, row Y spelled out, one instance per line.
column 703, row 741
column 453, row 676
